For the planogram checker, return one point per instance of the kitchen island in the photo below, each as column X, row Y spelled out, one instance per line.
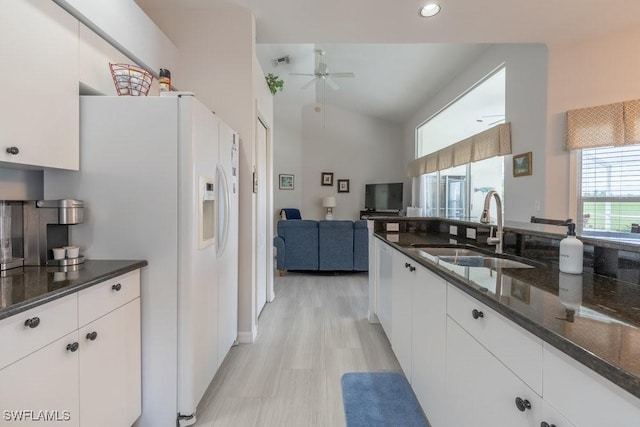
column 590, row 319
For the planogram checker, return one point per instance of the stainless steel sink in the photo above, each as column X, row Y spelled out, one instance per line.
column 483, row 261
column 453, row 252
column 464, row 257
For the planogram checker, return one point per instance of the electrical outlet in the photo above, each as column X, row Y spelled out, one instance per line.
column 536, row 205
column 393, row 226
column 471, row 233
column 453, row 230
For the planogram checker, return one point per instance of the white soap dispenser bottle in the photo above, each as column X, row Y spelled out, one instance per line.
column 571, row 250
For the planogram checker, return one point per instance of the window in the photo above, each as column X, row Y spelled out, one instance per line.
column 609, row 192
column 459, row 192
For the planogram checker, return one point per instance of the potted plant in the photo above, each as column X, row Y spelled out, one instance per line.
column 274, row 82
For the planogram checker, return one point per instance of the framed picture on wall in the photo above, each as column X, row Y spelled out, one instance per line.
column 522, row 164
column 286, row 181
column 343, row 186
column 327, row 178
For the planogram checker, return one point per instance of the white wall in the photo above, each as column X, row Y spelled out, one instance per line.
column 526, row 99
column 287, row 159
column 352, row 146
column 587, row 74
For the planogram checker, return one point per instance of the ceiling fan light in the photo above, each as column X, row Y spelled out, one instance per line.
column 429, row 10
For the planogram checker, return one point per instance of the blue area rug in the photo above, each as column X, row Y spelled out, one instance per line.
column 380, row 399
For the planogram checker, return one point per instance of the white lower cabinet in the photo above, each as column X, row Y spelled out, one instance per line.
column 401, row 301
column 110, row 368
column 90, row 377
column 585, row 398
column 470, row 366
column 481, row 391
column 551, row 418
column 428, row 343
column 41, row 389
column 384, row 263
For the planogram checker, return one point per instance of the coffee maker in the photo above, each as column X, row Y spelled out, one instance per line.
column 46, row 226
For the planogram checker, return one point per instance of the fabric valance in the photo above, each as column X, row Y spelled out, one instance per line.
column 492, row 142
column 604, row 126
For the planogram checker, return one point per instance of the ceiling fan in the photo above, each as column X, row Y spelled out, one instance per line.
column 322, row 73
column 493, row 119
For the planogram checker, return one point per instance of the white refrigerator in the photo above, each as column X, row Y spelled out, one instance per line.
column 158, row 180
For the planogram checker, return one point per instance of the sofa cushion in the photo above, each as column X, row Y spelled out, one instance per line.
column 300, row 240
column 335, row 245
column 360, row 246
column 290, row 213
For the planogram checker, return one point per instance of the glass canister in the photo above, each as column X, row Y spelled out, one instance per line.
column 5, row 231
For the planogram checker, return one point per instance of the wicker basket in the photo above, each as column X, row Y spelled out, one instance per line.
column 130, row 79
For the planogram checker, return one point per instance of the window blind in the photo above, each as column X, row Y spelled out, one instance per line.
column 610, row 188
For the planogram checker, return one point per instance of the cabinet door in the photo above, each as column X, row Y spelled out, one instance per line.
column 481, row 391
column 384, row 294
column 42, row 387
column 110, row 368
column 40, row 112
column 583, row 396
column 401, row 304
column 551, row 417
column 428, row 344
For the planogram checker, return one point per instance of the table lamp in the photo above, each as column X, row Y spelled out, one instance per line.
column 329, row 202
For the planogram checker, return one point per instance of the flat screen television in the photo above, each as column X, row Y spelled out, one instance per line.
column 383, row 197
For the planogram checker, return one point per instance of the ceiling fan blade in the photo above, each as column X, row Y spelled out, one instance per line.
column 342, row 75
column 331, row 83
column 309, row 83
column 301, row 74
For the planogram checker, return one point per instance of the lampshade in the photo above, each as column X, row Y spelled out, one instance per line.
column 329, row 202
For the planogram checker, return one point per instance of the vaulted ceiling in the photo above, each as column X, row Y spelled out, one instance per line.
column 398, row 58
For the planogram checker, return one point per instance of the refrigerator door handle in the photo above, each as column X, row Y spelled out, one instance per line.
column 222, row 242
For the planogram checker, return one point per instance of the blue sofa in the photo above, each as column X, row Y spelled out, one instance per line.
column 322, row 245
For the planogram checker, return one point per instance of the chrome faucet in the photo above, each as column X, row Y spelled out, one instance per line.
column 486, row 218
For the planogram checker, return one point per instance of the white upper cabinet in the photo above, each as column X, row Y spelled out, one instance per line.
column 39, row 120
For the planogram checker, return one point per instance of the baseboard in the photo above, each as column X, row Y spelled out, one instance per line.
column 246, row 337
column 373, row 318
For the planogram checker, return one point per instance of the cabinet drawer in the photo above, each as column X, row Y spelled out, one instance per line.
column 52, row 321
column 102, row 298
column 519, row 350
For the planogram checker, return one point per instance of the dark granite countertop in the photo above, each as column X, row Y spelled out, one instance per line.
column 35, row 286
column 532, row 229
column 592, row 318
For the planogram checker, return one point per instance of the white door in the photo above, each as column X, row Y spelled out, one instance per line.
column 110, row 368
column 46, row 380
column 261, row 216
column 401, row 305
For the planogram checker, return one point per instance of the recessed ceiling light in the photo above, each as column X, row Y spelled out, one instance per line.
column 429, row 10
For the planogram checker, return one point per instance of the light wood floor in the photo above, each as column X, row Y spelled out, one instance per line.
column 314, row 331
